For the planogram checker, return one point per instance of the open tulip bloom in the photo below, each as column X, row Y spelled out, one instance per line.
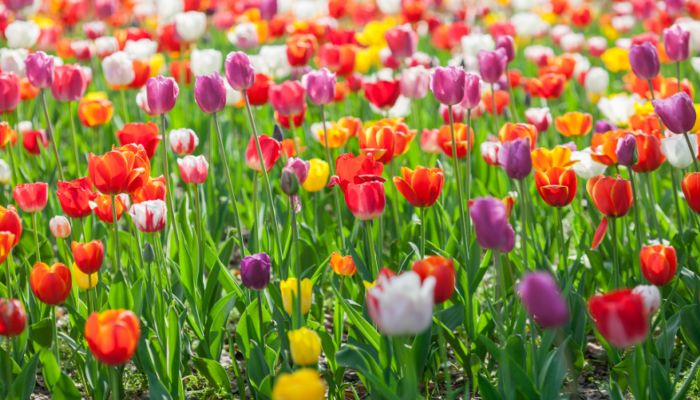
column 405, row 198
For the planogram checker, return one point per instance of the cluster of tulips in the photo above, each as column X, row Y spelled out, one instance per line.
column 396, row 189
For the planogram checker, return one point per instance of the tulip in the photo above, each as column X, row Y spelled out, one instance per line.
column 121, row 170
column 691, row 190
column 149, row 216
column 611, row 196
column 18, row 5
column 402, row 41
column 620, row 316
column 191, row 25
column 52, row 284
column 644, row 60
column 289, row 291
column 492, row 65
column 34, row 140
column 161, row 94
column 95, row 110
column 543, row 300
column 448, row 85
column 515, row 158
column 183, row 141
column 193, row 169
column 541, row 118
column 104, row 210
column 342, row 265
column 13, row 60
column 472, row 91
column 13, row 318
column 106, row 45
column 153, row 189
column 31, row 197
column 304, row 346
column 415, row 82
column 401, row 305
column 239, row 71
column 676, row 112
column 557, row 186
column 586, row 167
column 113, row 335
column 9, row 92
column 302, row 384
column 676, row 151
column 420, row 187
column 69, row 83
column 255, row 271
column 442, row 270
column 510, row 131
column 300, row 49
column 205, row 61
column 7, row 135
column 210, row 93
column 244, row 35
column 287, row 98
column 574, row 123
column 379, row 142
column 294, row 173
column 11, row 223
column 60, row 227
column 365, row 197
column 82, row 280
column 22, row 34
column 648, row 152
column 139, row 133
column 39, row 69
column 651, row 296
column 490, row 218
column 270, row 148
column 318, row 175
column 88, row 256
column 7, row 241
column 658, row 263
column 118, row 69
column 626, row 150
column 320, row 86
column 676, row 43
column 382, row 94
column 507, row 44
column 74, row 196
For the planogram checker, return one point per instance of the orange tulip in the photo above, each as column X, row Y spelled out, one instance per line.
column 648, row 123
column 444, row 139
column 52, row 284
column 95, row 109
column 420, row 187
column 612, row 196
column 88, row 256
column 145, row 134
column 649, row 155
column 102, row 206
column 658, row 263
column 337, row 135
column 154, row 189
column 300, row 49
column 7, row 240
column 604, row 146
column 691, row 190
column 113, row 335
column 7, row 135
column 342, row 265
column 123, row 169
column 545, row 159
column 511, row 131
column 562, row 65
column 142, row 71
column 669, row 87
column 10, row 222
column 443, row 271
column 557, row 186
column 574, row 123
column 26, row 90
column 502, row 100
column 378, row 141
column 547, row 86
column 403, row 137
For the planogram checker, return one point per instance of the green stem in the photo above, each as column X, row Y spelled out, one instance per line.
column 637, row 220
column 616, row 266
column 54, row 333
column 115, row 383
column 406, row 364
column 74, row 137
column 260, row 319
column 652, row 207
column 295, row 263
column 512, row 103
column 17, row 177
column 9, row 280
column 166, row 174
column 115, row 254
column 338, row 215
column 523, row 222
column 370, row 249
column 36, row 237
column 493, row 109
column 395, row 202
column 200, row 237
column 562, row 242
column 125, row 113
column 692, row 151
column 50, row 133
column 422, row 231
column 676, row 202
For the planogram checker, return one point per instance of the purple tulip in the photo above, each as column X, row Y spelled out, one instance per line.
column 626, row 150
column 293, row 174
column 644, row 60
column 506, row 43
column 674, row 7
column 543, row 300
column 320, row 86
column 39, row 68
column 402, row 41
column 676, row 112
column 677, row 43
column 515, row 158
column 255, row 271
column 490, row 219
column 161, row 94
column 239, row 70
column 415, row 82
column 472, row 91
column 492, row 64
column 210, row 92
column 16, row 5
column 105, row 8
column 447, row 85
column 602, row 126
column 268, row 9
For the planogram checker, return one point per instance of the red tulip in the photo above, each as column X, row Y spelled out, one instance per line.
column 145, row 134
column 13, row 318
column 443, row 270
column 271, row 151
column 34, row 140
column 649, row 155
column 75, row 196
column 365, row 196
column 88, row 256
column 9, row 92
column 259, row 93
column 10, row 222
column 113, row 335
column 31, row 197
column 383, row 94
column 691, row 190
column 420, row 187
column 288, row 98
column 557, row 186
column 52, row 284
column 123, row 169
column 620, row 316
column 658, row 263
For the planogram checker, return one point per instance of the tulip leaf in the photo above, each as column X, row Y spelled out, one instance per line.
column 41, row 333
column 213, row 372
column 23, row 385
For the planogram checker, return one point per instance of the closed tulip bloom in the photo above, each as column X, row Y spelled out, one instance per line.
column 39, row 69
column 183, row 141
column 118, row 69
column 515, row 158
column 69, row 82
column 255, row 271
column 691, row 190
column 153, row 189
column 95, row 109
column 620, row 316
column 507, row 45
column 382, row 93
column 626, row 150
column 140, row 133
column 472, row 91
column 294, row 174
column 611, row 196
column 9, row 91
column 31, row 197
column 13, row 318
column 401, row 305
column 317, row 178
column 74, row 197
column 448, row 84
column 22, row 34
column 402, row 41
column 205, row 61
column 415, row 82
column 52, row 284
column 11, row 223
column 121, row 170
column 543, row 300
column 442, row 270
column 288, row 290
column 342, row 265
column 239, row 70
column 649, row 155
column 490, row 218
column 7, row 242
column 193, row 169
column 540, row 118
column 302, row 384
column 210, row 93
column 365, row 197
column 82, row 280
column 658, row 263
column 644, row 59
column 676, row 150
column 149, row 216
column 88, row 256
column 420, row 187
column 305, row 346
column 60, row 227
column 676, row 112
column 492, row 65
column 191, row 25
column 271, row 151
column 677, row 43
column 288, row 98
column 161, row 94
column 320, row 86
column 113, row 336
column 557, row 186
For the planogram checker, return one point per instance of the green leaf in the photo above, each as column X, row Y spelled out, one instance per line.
column 213, row 371
column 688, row 381
column 23, row 385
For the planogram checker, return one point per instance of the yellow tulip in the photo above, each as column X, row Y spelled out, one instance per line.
column 366, row 58
column 304, row 384
column 289, row 291
column 318, row 175
column 337, row 135
column 83, row 280
column 616, row 59
column 696, row 127
column 305, row 346
column 644, row 109
column 156, row 64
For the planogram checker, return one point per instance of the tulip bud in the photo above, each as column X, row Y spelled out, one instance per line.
column 118, row 69
column 401, row 305
column 39, row 69
column 239, row 70
column 193, row 169
column 658, row 263
column 161, row 94
column 277, row 133
column 148, row 253
column 472, row 91
column 320, row 86
column 60, row 227
column 255, row 271
column 644, row 59
column 183, row 141
column 288, row 182
column 13, row 318
column 490, row 217
column 210, row 93
column 626, row 150
column 677, row 43
column 305, row 346
column 289, row 291
column 543, row 300
column 149, row 216
column 507, row 44
column 515, row 158
column 319, row 171
column 492, row 65
column 51, row 285
column 122, row 326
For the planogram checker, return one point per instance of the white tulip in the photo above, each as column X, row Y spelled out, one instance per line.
column 586, row 167
column 244, row 35
column 167, row 9
column 617, row 109
column 401, row 305
column 106, row 45
column 118, row 69
column 473, row 43
column 5, row 173
column 675, row 148
column 191, row 25
column 22, row 34
column 233, row 96
column 206, row 61
column 596, row 82
column 59, row 226
column 529, row 25
column 572, row 42
column 12, row 60
column 142, row 49
column 389, row 7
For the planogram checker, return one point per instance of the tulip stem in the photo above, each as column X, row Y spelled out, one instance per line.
column 115, row 255
column 405, row 363
column 679, row 219
column 229, row 182
column 87, row 294
column 295, row 263
column 36, row 237
column 200, row 237
column 9, row 280
column 693, row 153
column 468, row 221
column 260, row 319
column 523, row 222
column 166, row 174
column 54, row 333
column 122, row 95
column 275, row 228
column 678, row 76
column 339, row 216
column 493, row 109
column 370, row 249
column 616, row 266
column 115, row 382
column 50, row 132
column 562, row 242
column 16, row 175
column 422, row 231
column 511, row 103
column 74, row 138
column 637, row 220
column 652, row 207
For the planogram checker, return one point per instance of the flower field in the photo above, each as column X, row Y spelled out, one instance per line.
column 361, row 199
